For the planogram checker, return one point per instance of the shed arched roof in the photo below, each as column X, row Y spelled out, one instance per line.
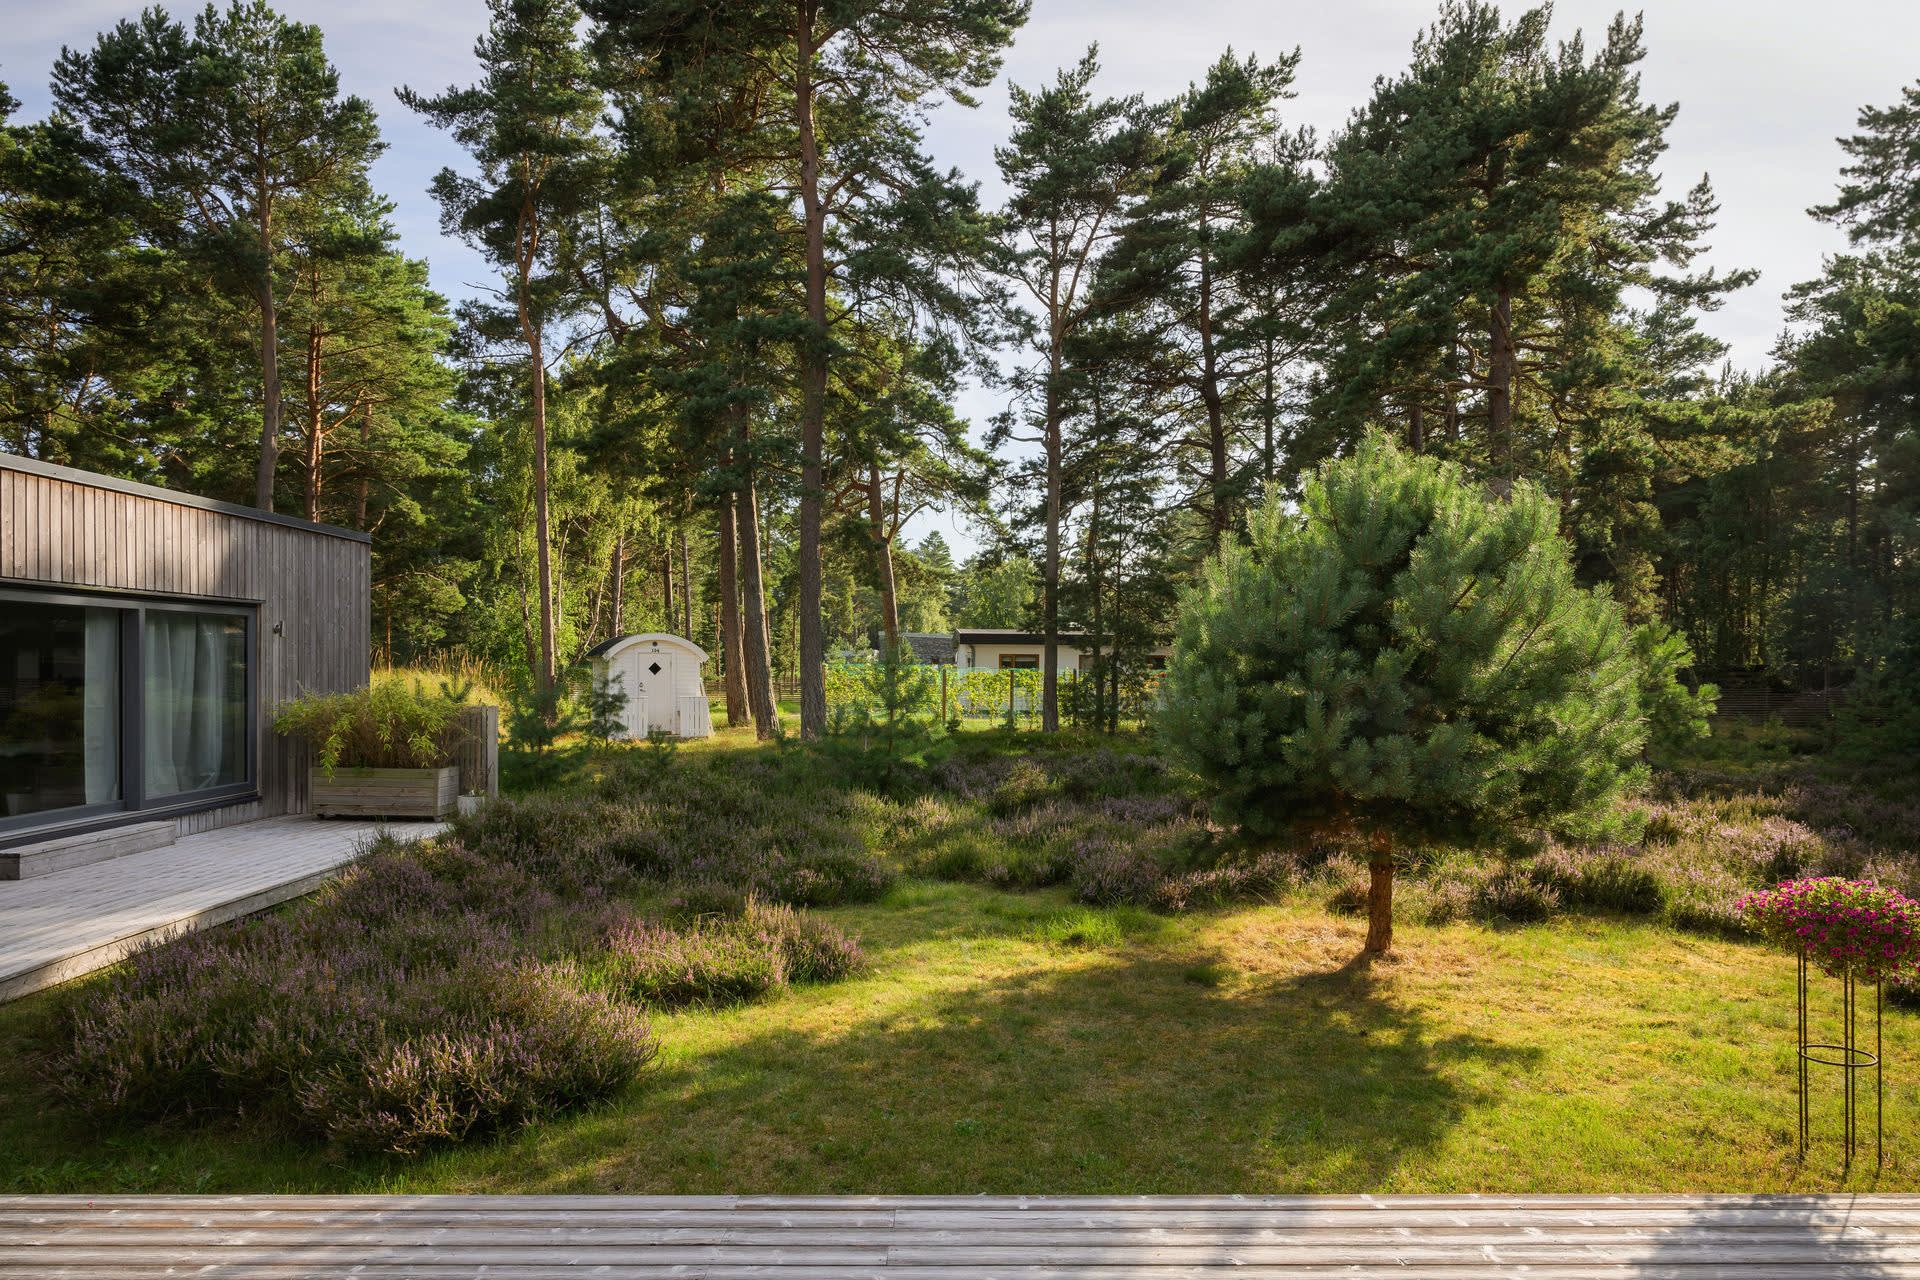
column 620, row 644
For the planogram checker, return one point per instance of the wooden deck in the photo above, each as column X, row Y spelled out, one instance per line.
column 59, row 926
column 961, row 1238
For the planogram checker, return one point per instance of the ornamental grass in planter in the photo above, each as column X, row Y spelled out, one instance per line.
column 387, row 751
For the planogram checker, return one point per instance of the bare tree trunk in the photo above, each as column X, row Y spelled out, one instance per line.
column 813, row 387
column 1417, row 427
column 731, row 640
column 882, row 556
column 758, row 666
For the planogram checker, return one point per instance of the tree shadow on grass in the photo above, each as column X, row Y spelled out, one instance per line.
column 1115, row 1073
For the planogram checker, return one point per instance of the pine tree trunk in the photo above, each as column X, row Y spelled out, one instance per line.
column 618, row 587
column 270, row 382
column 731, row 639
column 882, row 557
column 1500, row 364
column 813, row 389
column 1050, row 571
column 1268, row 409
column 1219, row 506
column 667, row 604
column 1380, row 903
column 526, row 245
column 758, row 667
column 316, row 420
column 543, row 520
column 686, row 588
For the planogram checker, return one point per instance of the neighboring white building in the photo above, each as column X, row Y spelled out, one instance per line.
column 660, row 674
column 996, row 649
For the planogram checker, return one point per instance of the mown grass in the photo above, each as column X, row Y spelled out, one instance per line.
column 1015, row 1042
column 1005, row 1037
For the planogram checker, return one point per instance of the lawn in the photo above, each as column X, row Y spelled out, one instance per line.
column 1015, row 1040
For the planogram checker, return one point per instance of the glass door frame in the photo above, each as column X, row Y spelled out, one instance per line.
column 133, row 801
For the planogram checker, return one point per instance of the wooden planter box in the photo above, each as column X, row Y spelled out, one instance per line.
column 384, row 793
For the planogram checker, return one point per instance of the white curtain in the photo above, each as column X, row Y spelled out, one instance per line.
column 100, row 706
column 188, row 728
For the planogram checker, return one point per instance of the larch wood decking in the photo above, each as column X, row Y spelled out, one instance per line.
column 56, row 927
column 961, row 1238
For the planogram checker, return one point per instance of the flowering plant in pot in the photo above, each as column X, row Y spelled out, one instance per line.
column 1845, row 927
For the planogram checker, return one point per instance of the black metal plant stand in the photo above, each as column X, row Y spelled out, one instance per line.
column 1850, row 1060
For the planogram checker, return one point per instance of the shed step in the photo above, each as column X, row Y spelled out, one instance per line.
column 67, row 852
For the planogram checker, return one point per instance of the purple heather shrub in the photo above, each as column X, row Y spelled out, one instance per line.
column 1025, row 784
column 814, row 950
column 699, row 899
column 1607, row 877
column 1842, row 926
column 724, row 960
column 708, row 962
column 526, row 1043
column 435, row 940
column 1261, row 877
column 1109, row 871
column 1511, row 893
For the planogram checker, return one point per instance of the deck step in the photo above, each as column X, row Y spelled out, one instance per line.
column 23, row 862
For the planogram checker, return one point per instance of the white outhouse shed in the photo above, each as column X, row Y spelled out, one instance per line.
column 660, row 674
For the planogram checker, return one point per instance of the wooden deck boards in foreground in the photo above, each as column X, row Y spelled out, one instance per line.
column 960, row 1238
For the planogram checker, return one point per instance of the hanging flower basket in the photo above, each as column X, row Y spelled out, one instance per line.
column 1845, row 927
column 1856, row 931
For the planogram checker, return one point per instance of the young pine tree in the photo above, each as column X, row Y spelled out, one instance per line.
column 1404, row 656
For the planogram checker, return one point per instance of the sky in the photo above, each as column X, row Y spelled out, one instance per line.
column 1764, row 87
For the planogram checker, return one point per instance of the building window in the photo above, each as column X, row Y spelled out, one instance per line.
column 115, row 705
column 59, row 708
column 1019, row 662
column 1156, row 662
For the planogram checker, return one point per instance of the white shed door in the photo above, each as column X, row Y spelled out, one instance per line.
column 654, row 706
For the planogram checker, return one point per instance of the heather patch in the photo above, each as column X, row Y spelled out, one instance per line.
column 319, row 1020
column 723, row 959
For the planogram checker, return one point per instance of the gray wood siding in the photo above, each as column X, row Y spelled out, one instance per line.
column 65, row 528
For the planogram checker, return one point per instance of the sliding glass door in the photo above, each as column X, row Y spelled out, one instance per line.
column 59, row 708
column 196, row 701
column 111, row 705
